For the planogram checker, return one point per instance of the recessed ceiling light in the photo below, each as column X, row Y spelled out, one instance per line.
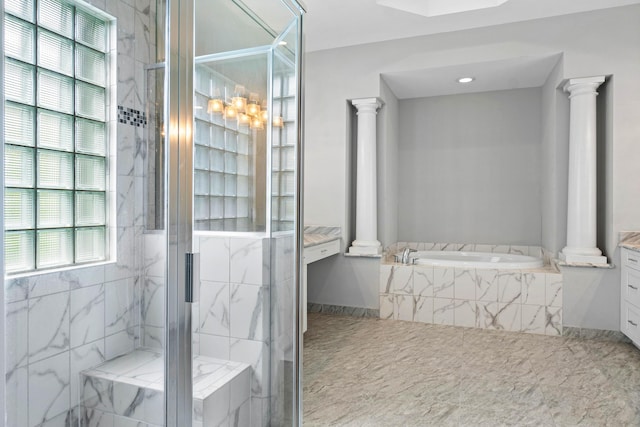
column 282, row 43
column 466, row 79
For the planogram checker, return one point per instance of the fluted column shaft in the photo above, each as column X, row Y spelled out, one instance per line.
column 366, row 242
column 581, row 213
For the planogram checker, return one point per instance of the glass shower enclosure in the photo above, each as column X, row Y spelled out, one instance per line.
column 188, row 313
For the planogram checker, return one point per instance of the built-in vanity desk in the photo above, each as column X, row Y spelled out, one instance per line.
column 319, row 243
column 630, row 282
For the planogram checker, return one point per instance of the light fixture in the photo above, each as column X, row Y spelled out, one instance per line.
column 278, row 122
column 253, row 106
column 244, row 119
column 215, row 106
column 466, row 79
column 282, row 43
column 256, row 123
column 230, row 112
column 238, row 100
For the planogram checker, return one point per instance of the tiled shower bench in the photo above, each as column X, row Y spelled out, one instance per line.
column 128, row 390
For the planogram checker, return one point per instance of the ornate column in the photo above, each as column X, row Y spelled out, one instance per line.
column 366, row 242
column 581, row 216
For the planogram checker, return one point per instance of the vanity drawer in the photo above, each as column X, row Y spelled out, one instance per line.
column 631, row 322
column 631, row 259
column 323, row 250
column 631, row 285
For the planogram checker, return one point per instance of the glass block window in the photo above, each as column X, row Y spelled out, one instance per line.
column 55, row 134
column 223, row 162
column 283, row 167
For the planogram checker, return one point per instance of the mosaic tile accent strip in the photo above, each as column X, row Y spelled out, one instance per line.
column 129, row 116
column 342, row 310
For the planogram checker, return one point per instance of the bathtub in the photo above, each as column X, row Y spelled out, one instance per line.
column 460, row 259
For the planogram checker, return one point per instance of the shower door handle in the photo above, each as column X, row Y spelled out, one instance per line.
column 192, row 277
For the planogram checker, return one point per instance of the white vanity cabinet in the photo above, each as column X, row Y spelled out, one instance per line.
column 630, row 295
column 312, row 254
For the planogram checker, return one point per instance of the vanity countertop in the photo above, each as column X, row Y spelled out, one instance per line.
column 317, row 235
column 630, row 240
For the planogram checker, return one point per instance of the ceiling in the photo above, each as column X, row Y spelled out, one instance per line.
column 339, row 23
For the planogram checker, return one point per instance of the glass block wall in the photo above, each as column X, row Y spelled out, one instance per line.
column 283, row 209
column 55, row 135
column 224, row 162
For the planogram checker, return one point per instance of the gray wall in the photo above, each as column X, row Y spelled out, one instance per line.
column 603, row 42
column 470, row 168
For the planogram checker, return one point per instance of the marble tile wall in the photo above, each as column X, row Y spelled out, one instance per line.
column 60, row 323
column 233, row 317
column 511, row 300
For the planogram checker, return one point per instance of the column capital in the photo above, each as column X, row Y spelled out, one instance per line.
column 583, row 85
column 367, row 102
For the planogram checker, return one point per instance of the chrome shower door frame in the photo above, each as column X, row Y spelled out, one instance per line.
column 178, row 84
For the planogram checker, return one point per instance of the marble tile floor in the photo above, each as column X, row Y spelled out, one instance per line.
column 371, row 372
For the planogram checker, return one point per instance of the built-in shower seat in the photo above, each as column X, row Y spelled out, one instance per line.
column 129, row 389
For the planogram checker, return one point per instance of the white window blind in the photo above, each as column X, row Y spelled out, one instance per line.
column 55, row 135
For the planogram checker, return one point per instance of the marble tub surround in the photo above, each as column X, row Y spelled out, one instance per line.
column 317, row 234
column 130, row 389
column 535, row 251
column 448, row 376
column 512, row 300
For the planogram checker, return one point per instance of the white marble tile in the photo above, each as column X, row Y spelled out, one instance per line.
column 49, row 393
column 152, row 304
column 533, row 319
column 465, row 314
column 553, row 290
column 509, row 317
column 483, row 248
column 241, row 416
column 403, row 307
column 519, row 250
column 509, row 287
column 153, row 407
column 153, row 337
column 386, row 306
column 535, row 251
column 87, row 315
column 154, row 259
column 48, row 326
column 16, row 334
column 84, row 357
column 17, row 395
column 247, row 260
column 553, row 324
column 249, row 312
column 488, row 314
column 214, row 308
column 119, row 301
column 256, row 354
column 402, row 279
column 487, row 285
column 128, row 400
column 96, row 418
column 501, row 249
column 259, row 411
column 443, row 311
column 385, row 279
column 216, row 407
column 422, row 281
column 214, row 259
column 423, row 310
column 465, row 284
column 125, row 209
column 450, row 246
column 16, row 289
column 240, row 389
column 533, row 289
column 443, row 282
column 118, row 344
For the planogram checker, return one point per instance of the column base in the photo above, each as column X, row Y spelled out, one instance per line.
column 365, row 248
column 588, row 256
